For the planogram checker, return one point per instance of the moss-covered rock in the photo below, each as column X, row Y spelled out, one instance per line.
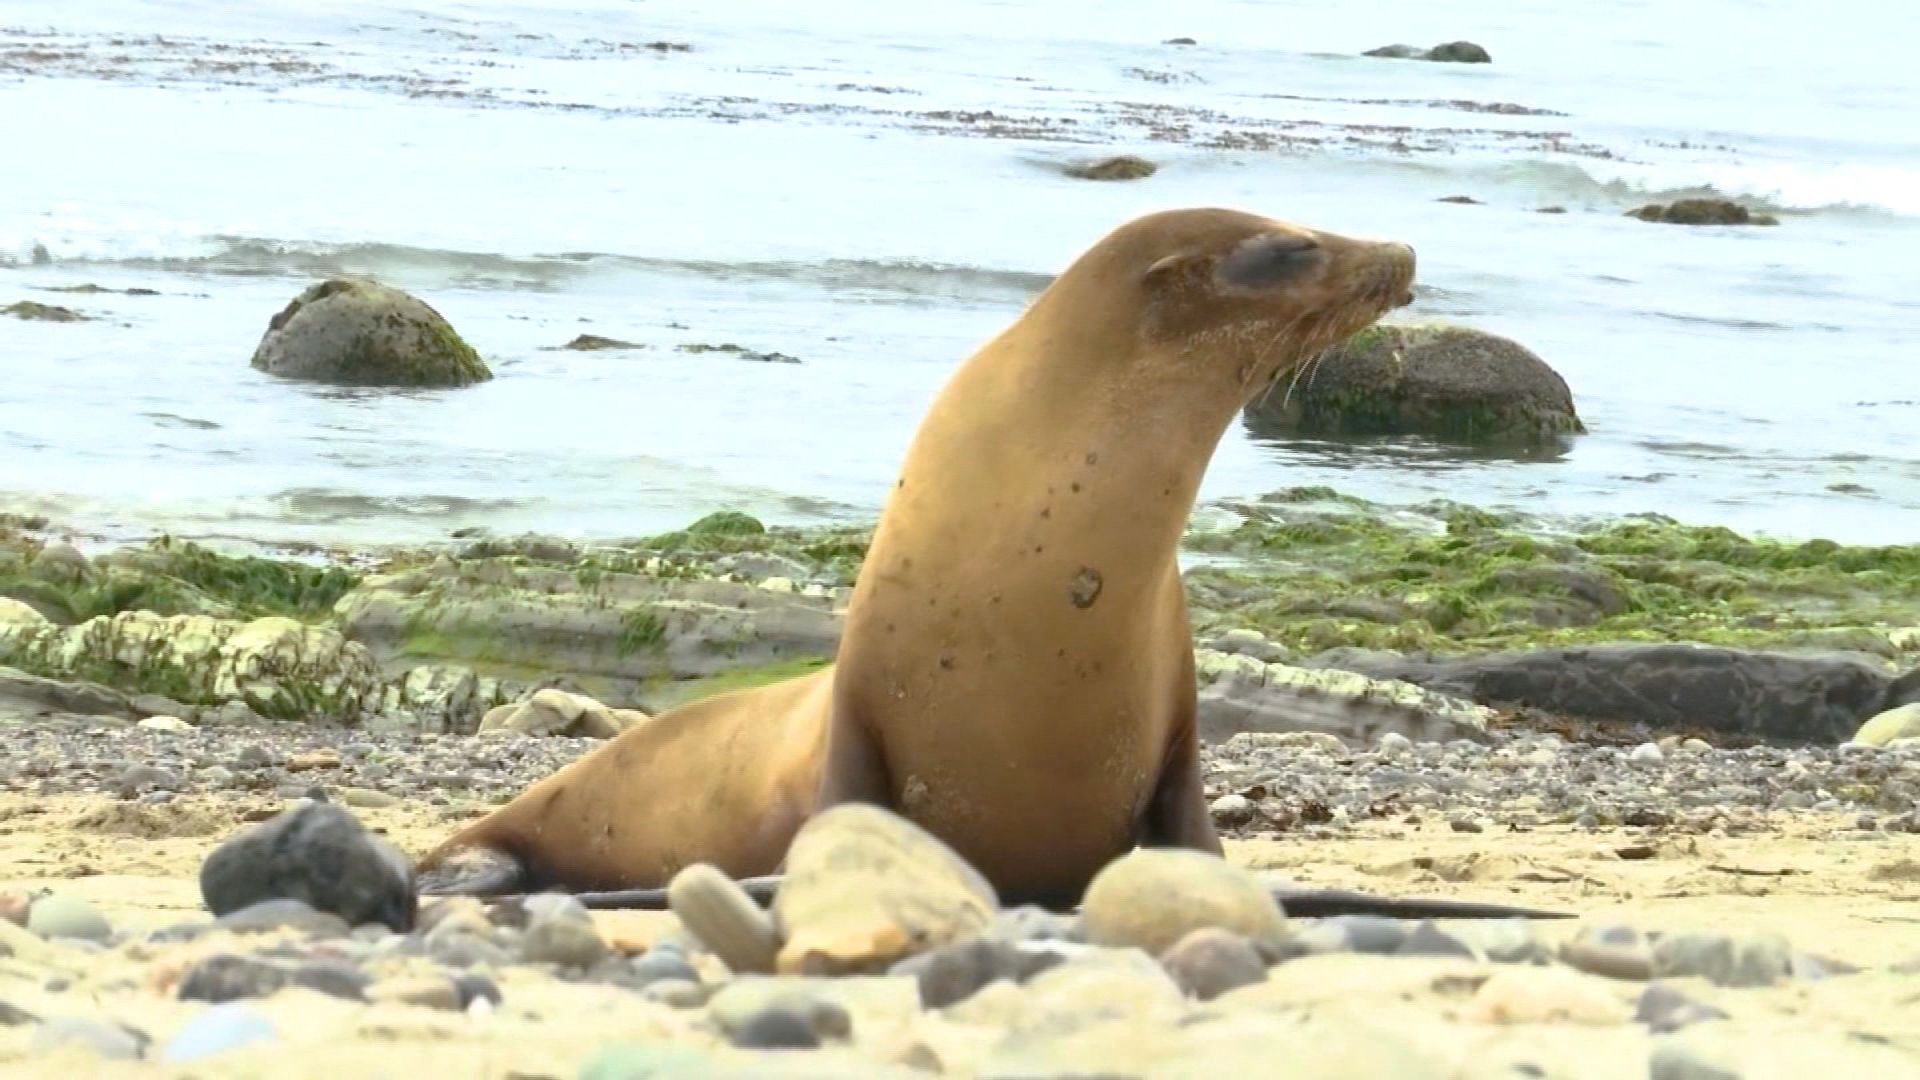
column 1701, row 212
column 353, row 332
column 1121, row 167
column 167, row 577
column 1446, row 382
column 33, row 311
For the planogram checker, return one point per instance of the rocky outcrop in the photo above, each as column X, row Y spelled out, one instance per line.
column 1452, row 52
column 360, row 333
column 619, row 634
column 1766, row 696
column 1701, row 212
column 1239, row 693
column 1447, row 382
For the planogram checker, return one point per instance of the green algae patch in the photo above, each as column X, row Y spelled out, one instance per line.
column 1314, row 574
column 174, row 577
column 742, row 678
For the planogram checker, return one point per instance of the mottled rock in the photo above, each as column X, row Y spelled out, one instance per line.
column 1153, row 897
column 58, row 915
column 318, row 853
column 955, row 972
column 1760, row 960
column 560, row 931
column 1121, row 167
column 1701, row 212
column 1663, row 1008
column 361, row 333
column 1209, row 962
column 866, row 887
column 230, row 977
column 1616, row 952
column 270, row 915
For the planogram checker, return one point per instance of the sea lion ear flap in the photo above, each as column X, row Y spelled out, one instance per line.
column 1171, row 269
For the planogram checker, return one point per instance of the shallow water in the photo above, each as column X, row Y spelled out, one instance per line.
column 819, row 181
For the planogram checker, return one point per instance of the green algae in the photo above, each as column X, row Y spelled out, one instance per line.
column 1462, row 579
column 175, row 577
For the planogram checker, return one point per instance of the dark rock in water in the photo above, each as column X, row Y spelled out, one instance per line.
column 320, row 854
column 353, row 332
column 594, row 343
column 1773, row 696
column 32, row 311
column 952, row 974
column 1123, row 167
column 1180, row 41
column 227, row 977
column 1662, row 1009
column 1452, row 52
column 1209, row 962
column 1701, row 212
column 1460, row 200
column 1448, row 382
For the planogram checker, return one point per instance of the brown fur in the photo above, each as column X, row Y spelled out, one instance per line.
column 1016, row 669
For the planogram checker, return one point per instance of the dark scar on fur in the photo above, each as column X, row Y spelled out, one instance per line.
column 1085, row 588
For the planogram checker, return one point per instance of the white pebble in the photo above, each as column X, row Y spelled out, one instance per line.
column 1647, row 754
column 165, row 723
column 1395, row 745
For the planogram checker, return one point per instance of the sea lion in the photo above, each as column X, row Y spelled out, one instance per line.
column 1015, row 673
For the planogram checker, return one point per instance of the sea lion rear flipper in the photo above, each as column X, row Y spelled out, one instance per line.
column 472, row 870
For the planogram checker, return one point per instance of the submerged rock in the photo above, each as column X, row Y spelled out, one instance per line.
column 1121, row 167
column 1447, row 382
column 361, row 333
column 1701, row 212
column 1452, row 52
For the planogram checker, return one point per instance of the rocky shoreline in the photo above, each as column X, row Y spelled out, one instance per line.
column 1743, row 889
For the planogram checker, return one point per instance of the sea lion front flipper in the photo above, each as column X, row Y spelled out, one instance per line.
column 1321, row 903
column 472, row 870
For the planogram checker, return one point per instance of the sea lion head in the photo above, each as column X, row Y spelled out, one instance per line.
column 1249, row 297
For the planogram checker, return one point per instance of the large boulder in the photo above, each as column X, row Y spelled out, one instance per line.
column 361, row 333
column 1701, row 212
column 1763, row 696
column 1448, row 382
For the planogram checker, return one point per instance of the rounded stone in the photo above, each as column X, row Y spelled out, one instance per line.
column 1150, row 898
column 58, row 915
column 1209, row 962
column 355, row 332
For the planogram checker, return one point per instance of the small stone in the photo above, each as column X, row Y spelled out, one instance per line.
column 14, row 907
column 1150, row 898
column 1464, row 824
column 313, row 759
column 1539, row 995
column 269, row 915
column 1662, row 1009
column 1394, row 745
column 954, row 973
column 1719, row 958
column 1427, row 939
column 217, row 1029
column 365, row 798
column 675, row 993
column 1371, row 933
column 657, row 964
column 775, row 1029
column 476, row 988
column 560, row 931
column 1674, row 1058
column 1209, row 962
column 1647, row 754
column 116, row 1042
column 428, row 991
column 1698, row 746
column 1232, row 810
column 318, row 853
column 58, row 915
column 170, row 724
column 228, row 977
column 138, row 778
column 1615, row 952
column 216, row 776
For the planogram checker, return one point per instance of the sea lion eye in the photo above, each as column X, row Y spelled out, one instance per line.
column 1268, row 259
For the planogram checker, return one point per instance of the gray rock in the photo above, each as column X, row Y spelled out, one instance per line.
column 320, row 854
column 952, row 974
column 1209, row 962
column 110, row 1040
column 775, row 1028
column 1663, row 1008
column 1427, row 939
column 230, row 977
column 269, row 915
column 1616, row 952
column 1756, row 961
column 360, row 333
column 1673, row 1058
column 217, row 1029
column 58, row 915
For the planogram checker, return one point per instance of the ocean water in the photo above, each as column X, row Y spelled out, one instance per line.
column 875, row 189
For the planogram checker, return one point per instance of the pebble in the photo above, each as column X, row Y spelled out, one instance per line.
column 1647, row 754
column 676, row 993
column 1427, row 939
column 318, row 853
column 956, row 972
column 1150, row 898
column 230, row 977
column 429, row 991
column 167, row 723
column 217, row 1029
column 1760, row 960
column 1673, row 1058
column 1209, row 962
column 1394, row 745
column 58, row 915
column 1663, row 1008
column 560, row 931
column 1539, row 995
column 268, row 915
column 775, row 1028
column 365, row 798
column 1616, row 952
column 109, row 1040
